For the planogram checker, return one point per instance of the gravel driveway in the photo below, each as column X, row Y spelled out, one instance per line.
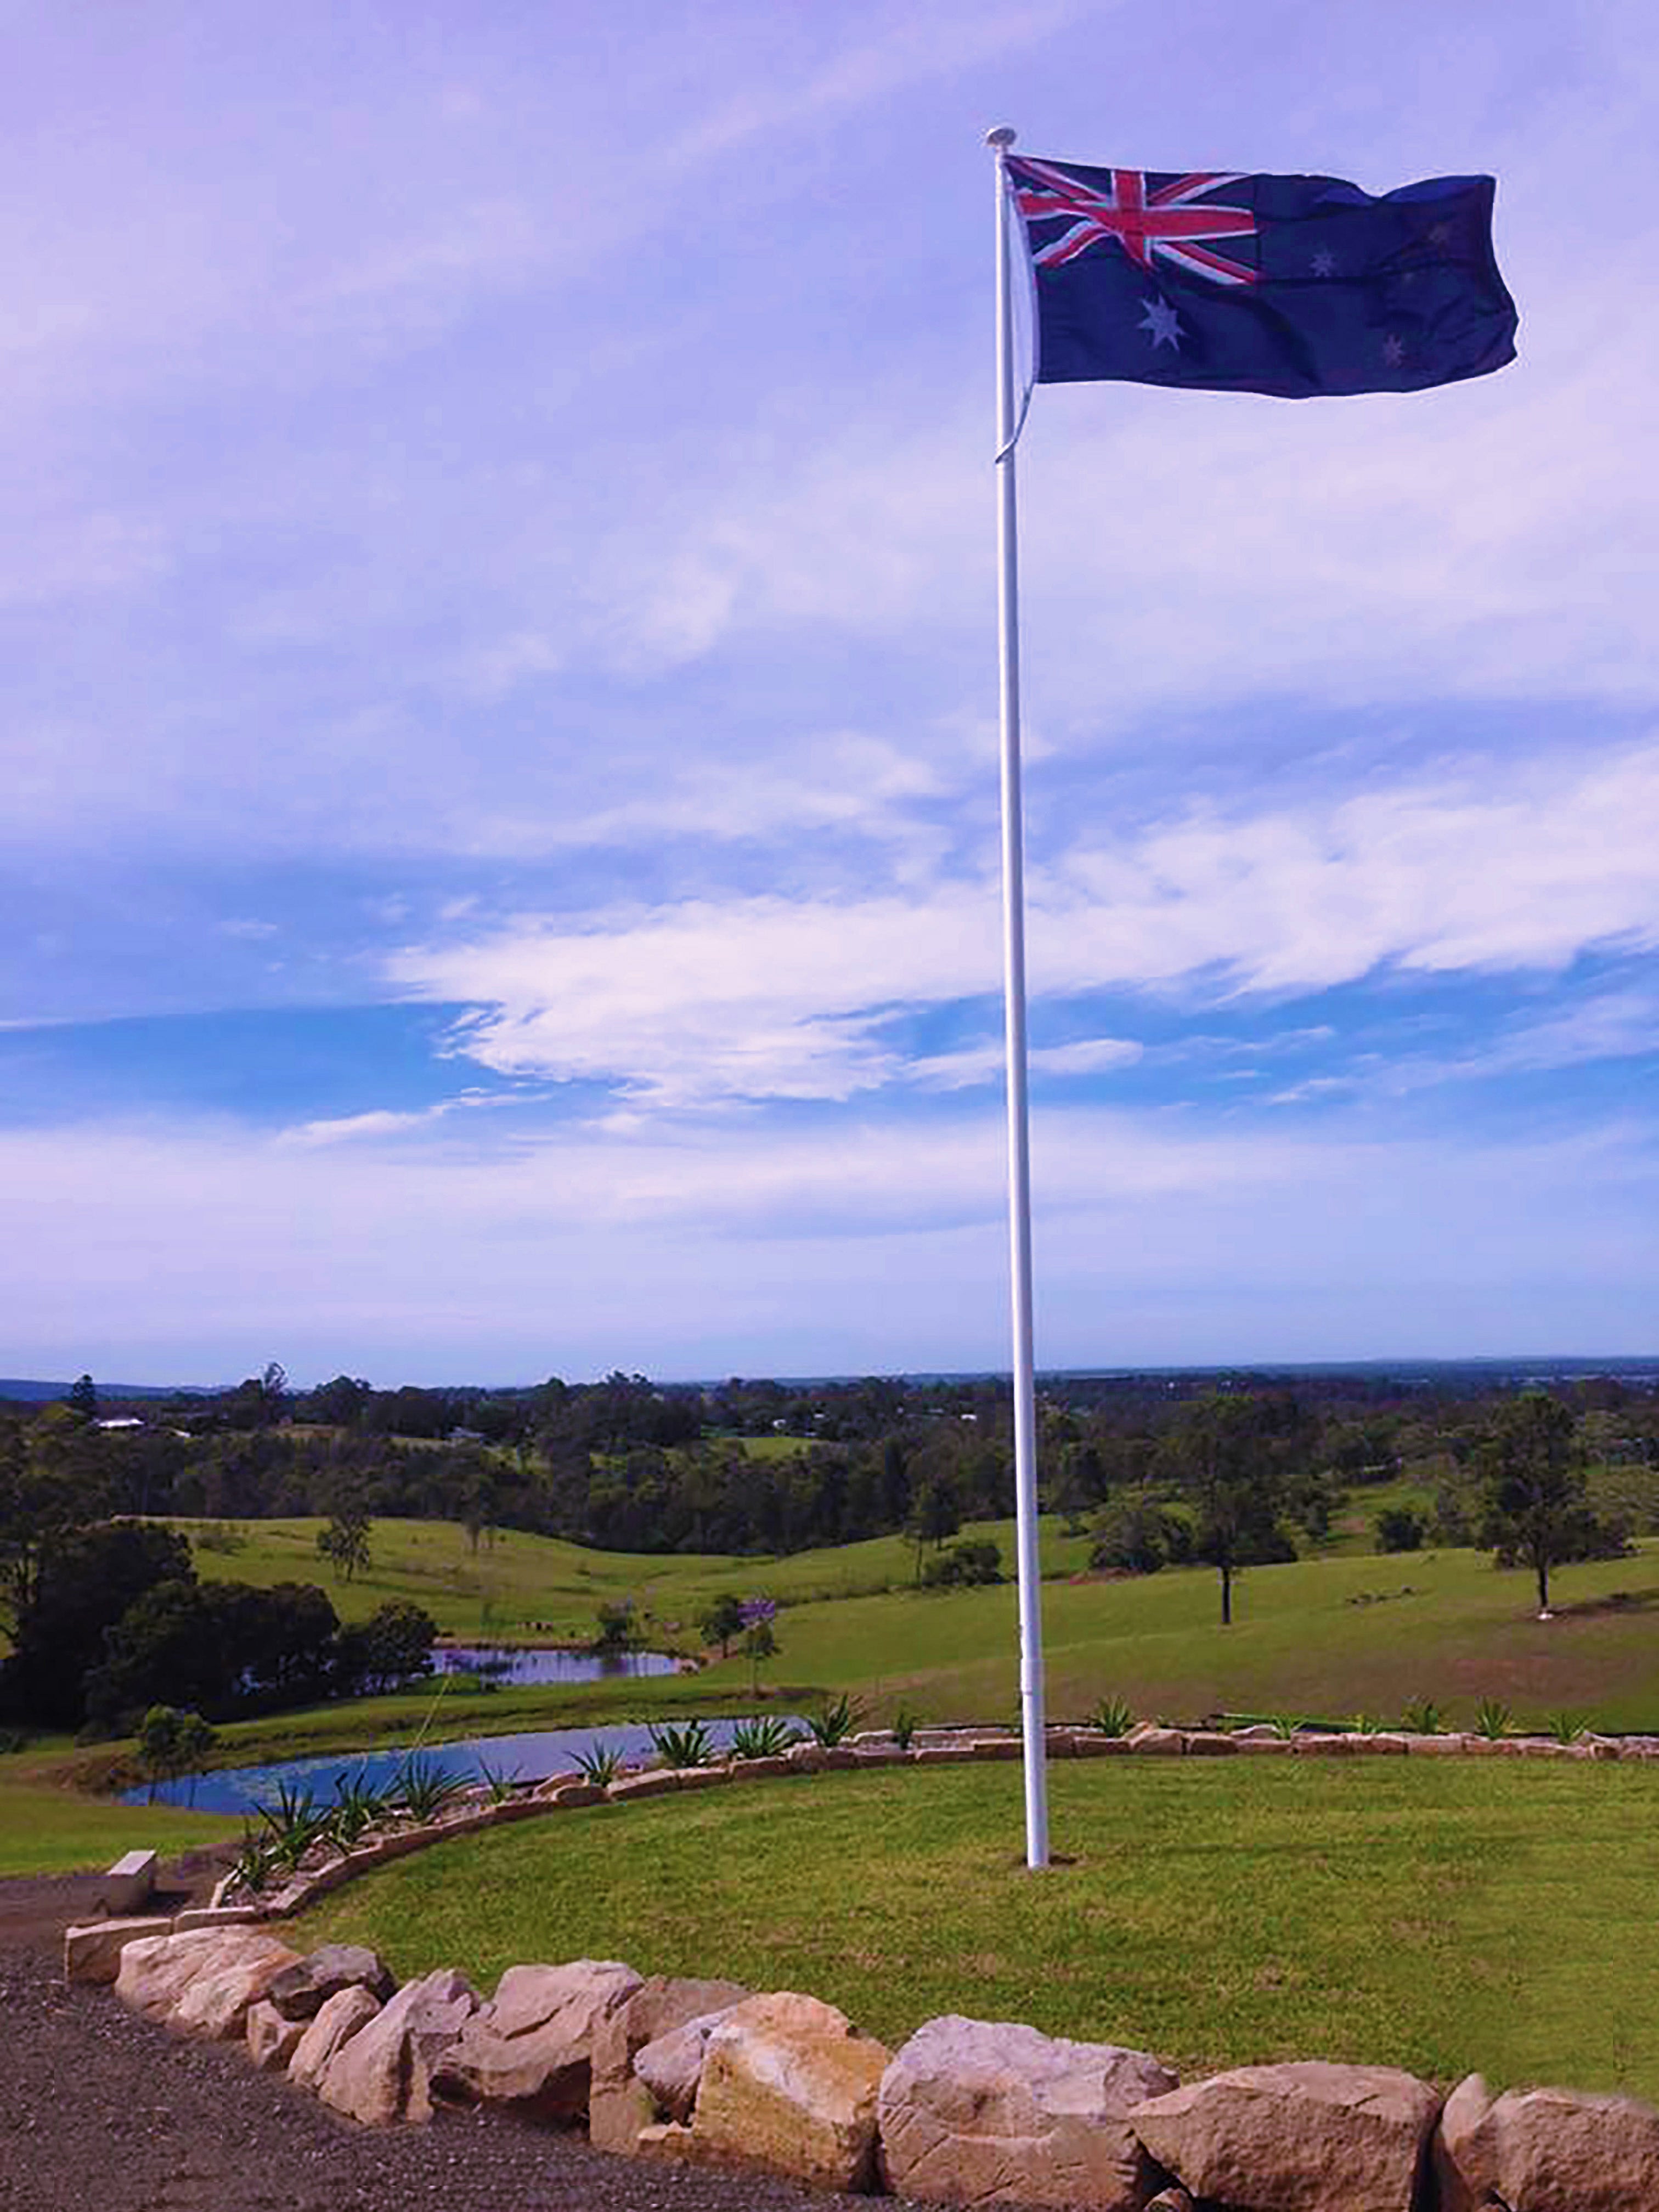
column 100, row 2112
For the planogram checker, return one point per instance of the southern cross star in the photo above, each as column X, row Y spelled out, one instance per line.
column 1393, row 350
column 1164, row 324
column 1324, row 263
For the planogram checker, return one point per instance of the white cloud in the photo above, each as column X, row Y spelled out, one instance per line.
column 773, row 997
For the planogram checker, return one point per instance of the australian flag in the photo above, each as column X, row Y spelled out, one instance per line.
column 1291, row 285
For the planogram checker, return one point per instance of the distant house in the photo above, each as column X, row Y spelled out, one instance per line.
column 466, row 1436
column 118, row 1421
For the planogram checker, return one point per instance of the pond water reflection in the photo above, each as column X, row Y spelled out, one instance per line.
column 529, row 1757
column 510, row 1663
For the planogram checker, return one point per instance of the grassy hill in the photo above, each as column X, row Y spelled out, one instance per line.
column 1331, row 1636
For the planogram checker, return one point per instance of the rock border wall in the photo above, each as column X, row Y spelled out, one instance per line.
column 966, row 2112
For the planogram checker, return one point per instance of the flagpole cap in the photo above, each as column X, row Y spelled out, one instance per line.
column 1001, row 136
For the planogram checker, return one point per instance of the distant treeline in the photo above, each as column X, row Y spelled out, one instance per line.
column 755, row 1466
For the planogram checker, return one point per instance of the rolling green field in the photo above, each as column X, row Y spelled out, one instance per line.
column 1439, row 1915
column 1327, row 1637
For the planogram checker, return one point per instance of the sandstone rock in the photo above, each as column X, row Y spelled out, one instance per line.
column 271, row 2040
column 788, row 2085
column 1305, row 2138
column 670, row 2066
column 384, row 2072
column 301, row 1991
column 619, row 2105
column 575, row 1793
column 978, row 2112
column 1211, row 1744
column 157, row 1971
column 1175, row 2198
column 92, row 1953
column 533, row 2046
column 215, row 2005
column 217, row 1915
column 334, row 2025
column 1545, row 2150
column 659, row 1782
column 1165, row 1742
column 760, row 1769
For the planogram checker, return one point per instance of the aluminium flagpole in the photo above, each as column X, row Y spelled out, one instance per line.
column 1013, row 952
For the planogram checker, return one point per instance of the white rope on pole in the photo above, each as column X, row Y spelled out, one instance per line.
column 1013, row 946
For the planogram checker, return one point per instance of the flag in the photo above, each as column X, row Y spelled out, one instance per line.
column 1289, row 285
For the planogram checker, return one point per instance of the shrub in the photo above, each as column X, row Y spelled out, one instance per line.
column 1400, row 1529
column 1422, row 1716
column 905, row 1724
column 1137, row 1534
column 1112, row 1716
column 1491, row 1718
column 970, row 1565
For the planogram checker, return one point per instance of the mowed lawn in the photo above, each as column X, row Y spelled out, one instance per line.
column 1439, row 1915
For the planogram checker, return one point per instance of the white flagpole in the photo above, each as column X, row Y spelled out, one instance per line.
column 1014, row 955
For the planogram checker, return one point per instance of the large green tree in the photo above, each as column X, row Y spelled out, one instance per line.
column 1232, row 1455
column 1536, row 1507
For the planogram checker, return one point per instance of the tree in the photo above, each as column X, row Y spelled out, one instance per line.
column 934, row 1515
column 83, row 1397
column 1230, row 1451
column 1136, row 1532
column 720, row 1620
column 345, row 1542
column 86, row 1580
column 392, row 1646
column 614, row 1629
column 1537, row 1509
column 171, row 1742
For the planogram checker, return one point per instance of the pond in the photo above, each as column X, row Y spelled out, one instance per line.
column 529, row 1757
column 509, row 1663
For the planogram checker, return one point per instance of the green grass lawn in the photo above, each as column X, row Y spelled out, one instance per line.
column 515, row 1587
column 1439, row 1915
column 44, row 1829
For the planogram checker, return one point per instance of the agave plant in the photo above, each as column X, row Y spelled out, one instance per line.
column 601, row 1764
column 834, row 1721
column 1491, row 1718
column 1285, row 1725
column 682, row 1743
column 424, row 1790
column 1566, row 1728
column 1422, row 1716
column 1365, row 1724
column 357, row 1806
column 293, row 1824
column 764, row 1736
column 252, row 1864
column 905, row 1724
column 1112, row 1716
column 499, row 1783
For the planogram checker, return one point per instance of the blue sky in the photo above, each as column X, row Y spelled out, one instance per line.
column 497, row 694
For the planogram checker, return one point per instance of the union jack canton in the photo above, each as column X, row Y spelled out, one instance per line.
column 1226, row 282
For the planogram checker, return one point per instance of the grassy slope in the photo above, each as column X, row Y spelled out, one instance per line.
column 1433, row 1915
column 1326, row 1637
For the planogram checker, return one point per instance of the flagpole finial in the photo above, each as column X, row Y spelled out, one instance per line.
column 1001, row 136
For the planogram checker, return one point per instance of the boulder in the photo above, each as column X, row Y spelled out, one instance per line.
column 157, row 1971
column 1303, row 2137
column 619, row 2105
column 533, row 2046
column 215, row 2005
column 271, row 2040
column 93, row 1953
column 384, row 2072
column 671, row 2067
column 1157, row 1742
column 1545, row 2150
column 335, row 2025
column 980, row 2112
column 789, row 2085
column 301, row 1991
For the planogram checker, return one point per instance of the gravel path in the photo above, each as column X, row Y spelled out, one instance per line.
column 100, row 2112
